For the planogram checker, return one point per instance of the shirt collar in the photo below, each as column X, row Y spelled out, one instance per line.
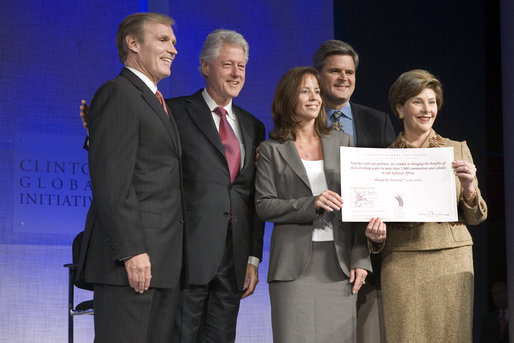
column 144, row 78
column 346, row 110
column 212, row 105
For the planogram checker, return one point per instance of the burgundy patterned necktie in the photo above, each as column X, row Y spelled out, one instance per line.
column 230, row 143
column 161, row 100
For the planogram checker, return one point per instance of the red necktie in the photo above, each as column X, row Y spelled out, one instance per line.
column 230, row 143
column 161, row 100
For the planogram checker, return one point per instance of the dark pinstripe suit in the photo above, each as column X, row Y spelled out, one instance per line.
column 135, row 168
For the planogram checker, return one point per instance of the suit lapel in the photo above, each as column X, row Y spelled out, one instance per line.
column 176, row 136
column 155, row 105
column 331, row 159
column 360, row 128
column 363, row 130
column 201, row 115
column 330, row 145
column 289, row 153
column 247, row 135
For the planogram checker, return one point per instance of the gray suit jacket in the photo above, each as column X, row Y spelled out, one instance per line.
column 135, row 169
column 284, row 197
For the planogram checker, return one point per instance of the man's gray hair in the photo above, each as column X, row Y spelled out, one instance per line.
column 216, row 39
column 333, row 47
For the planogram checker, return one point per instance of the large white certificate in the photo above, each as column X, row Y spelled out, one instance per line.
column 398, row 185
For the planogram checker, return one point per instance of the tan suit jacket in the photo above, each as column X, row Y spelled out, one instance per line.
column 284, row 197
column 427, row 268
column 432, row 236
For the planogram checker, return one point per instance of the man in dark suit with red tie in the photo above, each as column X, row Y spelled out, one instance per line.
column 224, row 236
column 337, row 64
column 132, row 248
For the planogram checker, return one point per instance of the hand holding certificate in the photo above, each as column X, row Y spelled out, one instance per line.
column 400, row 185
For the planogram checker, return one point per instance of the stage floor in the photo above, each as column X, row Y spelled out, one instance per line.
column 34, row 293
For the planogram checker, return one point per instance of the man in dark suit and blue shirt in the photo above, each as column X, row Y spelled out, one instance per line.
column 132, row 249
column 224, row 235
column 337, row 64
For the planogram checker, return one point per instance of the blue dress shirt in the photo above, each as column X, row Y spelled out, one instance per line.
column 346, row 119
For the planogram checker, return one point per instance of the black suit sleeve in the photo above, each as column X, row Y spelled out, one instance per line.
column 388, row 131
column 113, row 146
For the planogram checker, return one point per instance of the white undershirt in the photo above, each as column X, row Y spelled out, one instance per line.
column 323, row 231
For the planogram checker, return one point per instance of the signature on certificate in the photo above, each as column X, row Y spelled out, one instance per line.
column 364, row 197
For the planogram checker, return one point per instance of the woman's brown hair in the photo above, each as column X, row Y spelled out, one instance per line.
column 284, row 105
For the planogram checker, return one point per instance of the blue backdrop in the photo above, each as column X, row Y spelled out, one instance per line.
column 55, row 53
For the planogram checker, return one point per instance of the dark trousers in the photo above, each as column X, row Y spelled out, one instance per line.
column 208, row 313
column 122, row 315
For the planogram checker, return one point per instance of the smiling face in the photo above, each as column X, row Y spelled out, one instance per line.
column 419, row 113
column 309, row 99
column 154, row 55
column 338, row 80
column 225, row 75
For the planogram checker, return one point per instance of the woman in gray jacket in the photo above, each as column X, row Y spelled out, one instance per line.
column 317, row 262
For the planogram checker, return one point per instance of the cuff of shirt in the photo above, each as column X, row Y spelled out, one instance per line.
column 254, row 261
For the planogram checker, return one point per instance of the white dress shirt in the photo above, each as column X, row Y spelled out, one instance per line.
column 144, row 78
column 323, row 231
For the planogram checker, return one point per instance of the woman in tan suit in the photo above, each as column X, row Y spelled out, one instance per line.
column 427, row 268
column 317, row 263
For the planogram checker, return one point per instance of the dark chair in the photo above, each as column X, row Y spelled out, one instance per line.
column 85, row 307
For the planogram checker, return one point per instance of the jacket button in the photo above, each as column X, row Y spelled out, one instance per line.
column 226, row 214
column 181, row 221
